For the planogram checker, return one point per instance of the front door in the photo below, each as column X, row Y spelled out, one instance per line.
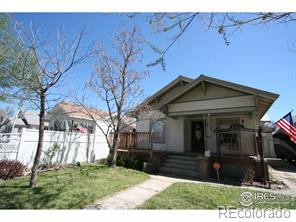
column 197, row 137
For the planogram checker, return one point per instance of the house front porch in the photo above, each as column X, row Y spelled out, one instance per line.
column 196, row 159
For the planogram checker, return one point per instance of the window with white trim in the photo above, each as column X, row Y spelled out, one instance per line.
column 158, row 129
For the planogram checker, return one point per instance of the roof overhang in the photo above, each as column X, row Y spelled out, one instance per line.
column 263, row 98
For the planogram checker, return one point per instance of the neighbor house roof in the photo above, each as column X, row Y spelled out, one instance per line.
column 265, row 99
column 79, row 111
column 29, row 118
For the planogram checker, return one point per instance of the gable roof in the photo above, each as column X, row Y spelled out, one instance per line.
column 227, row 84
column 78, row 111
column 168, row 87
column 265, row 99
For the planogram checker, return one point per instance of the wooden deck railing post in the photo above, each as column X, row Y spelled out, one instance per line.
column 136, row 142
column 150, row 144
column 260, row 147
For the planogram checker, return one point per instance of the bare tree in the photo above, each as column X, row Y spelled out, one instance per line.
column 44, row 67
column 224, row 23
column 117, row 84
column 5, row 116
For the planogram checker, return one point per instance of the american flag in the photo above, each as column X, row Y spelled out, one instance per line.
column 286, row 124
column 82, row 129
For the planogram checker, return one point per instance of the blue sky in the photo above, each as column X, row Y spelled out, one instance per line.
column 258, row 56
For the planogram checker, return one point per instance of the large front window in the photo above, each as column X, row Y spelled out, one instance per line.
column 158, row 131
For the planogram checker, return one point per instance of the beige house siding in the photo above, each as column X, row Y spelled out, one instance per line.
column 213, row 104
column 171, row 92
column 213, row 91
column 175, row 134
column 143, row 125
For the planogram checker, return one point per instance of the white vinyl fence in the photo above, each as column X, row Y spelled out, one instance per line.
column 9, row 144
column 71, row 146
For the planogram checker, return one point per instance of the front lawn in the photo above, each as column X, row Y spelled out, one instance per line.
column 70, row 188
column 203, row 196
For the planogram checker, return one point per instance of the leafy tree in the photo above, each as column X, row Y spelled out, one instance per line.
column 9, row 47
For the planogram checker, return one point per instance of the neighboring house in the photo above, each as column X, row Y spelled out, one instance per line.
column 205, row 120
column 29, row 119
column 74, row 117
column 265, row 119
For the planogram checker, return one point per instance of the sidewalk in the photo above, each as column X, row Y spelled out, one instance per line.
column 132, row 197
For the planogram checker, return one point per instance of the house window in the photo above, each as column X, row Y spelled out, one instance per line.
column 229, row 136
column 158, row 129
column 58, row 126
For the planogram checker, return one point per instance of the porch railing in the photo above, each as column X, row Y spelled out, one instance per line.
column 130, row 141
column 231, row 140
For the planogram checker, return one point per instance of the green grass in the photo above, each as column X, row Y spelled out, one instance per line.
column 202, row 196
column 70, row 188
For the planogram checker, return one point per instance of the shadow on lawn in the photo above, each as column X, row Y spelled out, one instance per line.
column 12, row 197
column 53, row 189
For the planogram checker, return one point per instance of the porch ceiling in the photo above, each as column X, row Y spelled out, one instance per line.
column 245, row 110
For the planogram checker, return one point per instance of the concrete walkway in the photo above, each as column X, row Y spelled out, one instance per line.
column 132, row 197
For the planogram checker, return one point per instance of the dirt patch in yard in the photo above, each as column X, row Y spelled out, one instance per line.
column 285, row 174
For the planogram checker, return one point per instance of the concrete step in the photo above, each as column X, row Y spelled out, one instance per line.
column 182, row 157
column 179, row 172
column 182, row 162
column 180, row 166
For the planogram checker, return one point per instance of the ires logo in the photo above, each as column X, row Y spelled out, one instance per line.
column 249, row 198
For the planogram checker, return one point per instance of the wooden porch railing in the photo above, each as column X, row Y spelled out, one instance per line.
column 135, row 141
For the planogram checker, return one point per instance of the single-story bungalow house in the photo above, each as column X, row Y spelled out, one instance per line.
column 74, row 117
column 196, row 122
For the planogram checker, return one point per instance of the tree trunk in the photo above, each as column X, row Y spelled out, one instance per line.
column 115, row 148
column 34, row 171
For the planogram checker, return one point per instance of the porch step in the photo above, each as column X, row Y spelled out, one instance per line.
column 179, row 172
column 182, row 157
column 181, row 162
column 180, row 165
